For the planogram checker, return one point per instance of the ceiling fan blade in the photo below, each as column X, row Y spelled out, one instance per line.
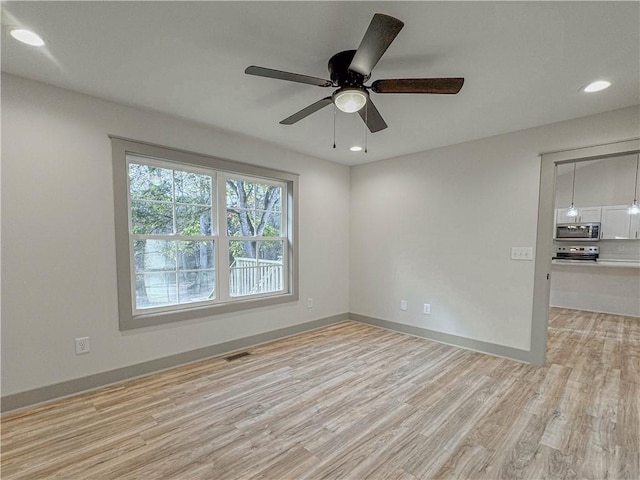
column 371, row 116
column 418, row 85
column 305, row 112
column 382, row 30
column 291, row 77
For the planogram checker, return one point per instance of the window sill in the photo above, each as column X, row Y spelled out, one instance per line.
column 160, row 318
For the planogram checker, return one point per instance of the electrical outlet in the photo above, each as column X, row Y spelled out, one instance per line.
column 82, row 345
column 403, row 304
column 309, row 302
column 426, row 309
column 522, row 253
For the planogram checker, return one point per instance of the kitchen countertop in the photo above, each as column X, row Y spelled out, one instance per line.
column 599, row 263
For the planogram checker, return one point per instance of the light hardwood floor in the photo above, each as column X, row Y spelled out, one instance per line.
column 353, row 401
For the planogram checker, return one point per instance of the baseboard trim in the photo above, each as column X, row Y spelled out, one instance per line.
column 449, row 339
column 99, row 380
column 596, row 311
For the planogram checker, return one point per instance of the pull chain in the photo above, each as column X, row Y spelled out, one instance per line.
column 366, row 124
column 334, row 125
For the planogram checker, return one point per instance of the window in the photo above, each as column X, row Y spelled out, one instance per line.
column 196, row 236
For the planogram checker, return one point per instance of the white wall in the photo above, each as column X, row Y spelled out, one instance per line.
column 437, row 227
column 409, row 233
column 58, row 253
column 609, row 181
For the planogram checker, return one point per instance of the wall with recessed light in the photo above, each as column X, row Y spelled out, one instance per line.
column 58, row 252
column 437, row 227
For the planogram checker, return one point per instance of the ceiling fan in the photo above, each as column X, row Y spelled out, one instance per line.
column 349, row 70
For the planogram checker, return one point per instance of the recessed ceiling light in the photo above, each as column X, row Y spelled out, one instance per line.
column 596, row 86
column 356, row 148
column 27, row 36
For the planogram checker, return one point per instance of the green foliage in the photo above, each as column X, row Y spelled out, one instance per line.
column 253, row 210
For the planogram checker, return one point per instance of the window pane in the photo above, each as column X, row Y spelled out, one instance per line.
column 154, row 255
column 255, row 267
column 240, row 194
column 150, row 183
column 253, row 209
column 193, row 220
column 270, row 251
column 197, row 286
column 270, row 266
column 268, row 197
column 155, row 289
column 232, row 195
column 233, row 223
column 269, row 223
column 195, row 255
column 151, row 218
column 192, row 188
column 241, row 223
column 243, row 268
column 155, row 266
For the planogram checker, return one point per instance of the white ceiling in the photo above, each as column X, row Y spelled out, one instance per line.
column 523, row 63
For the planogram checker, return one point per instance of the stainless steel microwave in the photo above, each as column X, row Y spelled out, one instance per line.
column 580, row 232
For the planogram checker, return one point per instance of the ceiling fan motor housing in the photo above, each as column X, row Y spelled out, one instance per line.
column 340, row 73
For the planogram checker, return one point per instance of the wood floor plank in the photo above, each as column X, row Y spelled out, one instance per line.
column 352, row 401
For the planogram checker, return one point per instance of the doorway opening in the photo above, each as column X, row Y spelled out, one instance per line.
column 551, row 164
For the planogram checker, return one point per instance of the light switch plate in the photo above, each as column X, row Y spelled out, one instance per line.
column 522, row 253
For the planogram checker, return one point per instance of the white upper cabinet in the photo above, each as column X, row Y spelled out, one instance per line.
column 589, row 214
column 618, row 224
column 585, row 215
column 634, row 231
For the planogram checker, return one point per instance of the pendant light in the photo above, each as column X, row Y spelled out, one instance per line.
column 572, row 211
column 634, row 208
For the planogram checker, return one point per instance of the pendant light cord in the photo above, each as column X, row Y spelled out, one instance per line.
column 573, row 189
column 635, row 191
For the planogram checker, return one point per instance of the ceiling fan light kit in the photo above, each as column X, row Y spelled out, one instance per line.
column 349, row 70
column 350, row 100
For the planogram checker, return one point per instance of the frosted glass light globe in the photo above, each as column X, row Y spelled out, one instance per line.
column 572, row 211
column 349, row 100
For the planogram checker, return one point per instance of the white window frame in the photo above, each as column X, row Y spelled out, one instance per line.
column 220, row 170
